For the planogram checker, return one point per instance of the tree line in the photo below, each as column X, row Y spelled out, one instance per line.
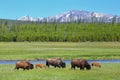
column 59, row 32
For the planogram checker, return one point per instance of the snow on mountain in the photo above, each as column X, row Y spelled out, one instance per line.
column 37, row 19
column 28, row 18
column 74, row 16
column 25, row 18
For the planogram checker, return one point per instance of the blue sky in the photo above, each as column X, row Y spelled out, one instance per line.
column 12, row 9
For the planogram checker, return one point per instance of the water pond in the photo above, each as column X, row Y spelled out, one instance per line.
column 66, row 61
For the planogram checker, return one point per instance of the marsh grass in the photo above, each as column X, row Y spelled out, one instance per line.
column 108, row 71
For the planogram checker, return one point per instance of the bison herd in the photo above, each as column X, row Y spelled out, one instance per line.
column 57, row 62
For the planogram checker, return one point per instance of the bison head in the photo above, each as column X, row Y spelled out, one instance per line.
column 62, row 64
column 88, row 67
column 31, row 66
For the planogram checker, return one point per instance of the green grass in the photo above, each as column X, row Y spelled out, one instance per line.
column 108, row 71
column 43, row 50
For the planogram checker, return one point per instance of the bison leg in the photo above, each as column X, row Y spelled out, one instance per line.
column 28, row 67
column 23, row 69
column 72, row 67
column 48, row 65
column 55, row 66
column 59, row 66
column 17, row 68
column 81, row 67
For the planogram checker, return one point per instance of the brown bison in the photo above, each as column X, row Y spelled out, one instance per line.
column 24, row 65
column 40, row 65
column 96, row 64
column 80, row 63
column 56, row 62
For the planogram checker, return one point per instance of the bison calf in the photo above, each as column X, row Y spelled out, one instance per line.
column 40, row 65
column 96, row 64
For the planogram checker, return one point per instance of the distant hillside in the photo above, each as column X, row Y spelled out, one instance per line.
column 9, row 21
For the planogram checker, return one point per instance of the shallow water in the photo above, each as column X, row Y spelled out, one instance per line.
column 66, row 61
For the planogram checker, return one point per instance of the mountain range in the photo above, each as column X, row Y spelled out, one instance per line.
column 74, row 16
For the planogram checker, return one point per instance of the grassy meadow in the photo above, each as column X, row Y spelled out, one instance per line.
column 108, row 71
column 43, row 50
column 64, row 50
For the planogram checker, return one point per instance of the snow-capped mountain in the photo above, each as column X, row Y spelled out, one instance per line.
column 75, row 16
column 28, row 18
column 25, row 18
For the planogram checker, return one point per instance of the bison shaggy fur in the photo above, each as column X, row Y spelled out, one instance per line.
column 25, row 65
column 56, row 62
column 80, row 63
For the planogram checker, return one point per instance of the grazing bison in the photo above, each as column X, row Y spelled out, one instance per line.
column 40, row 65
column 96, row 64
column 56, row 62
column 80, row 63
column 24, row 65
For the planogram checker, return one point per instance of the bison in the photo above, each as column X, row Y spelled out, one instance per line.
column 80, row 63
column 24, row 65
column 56, row 62
column 40, row 65
column 96, row 64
